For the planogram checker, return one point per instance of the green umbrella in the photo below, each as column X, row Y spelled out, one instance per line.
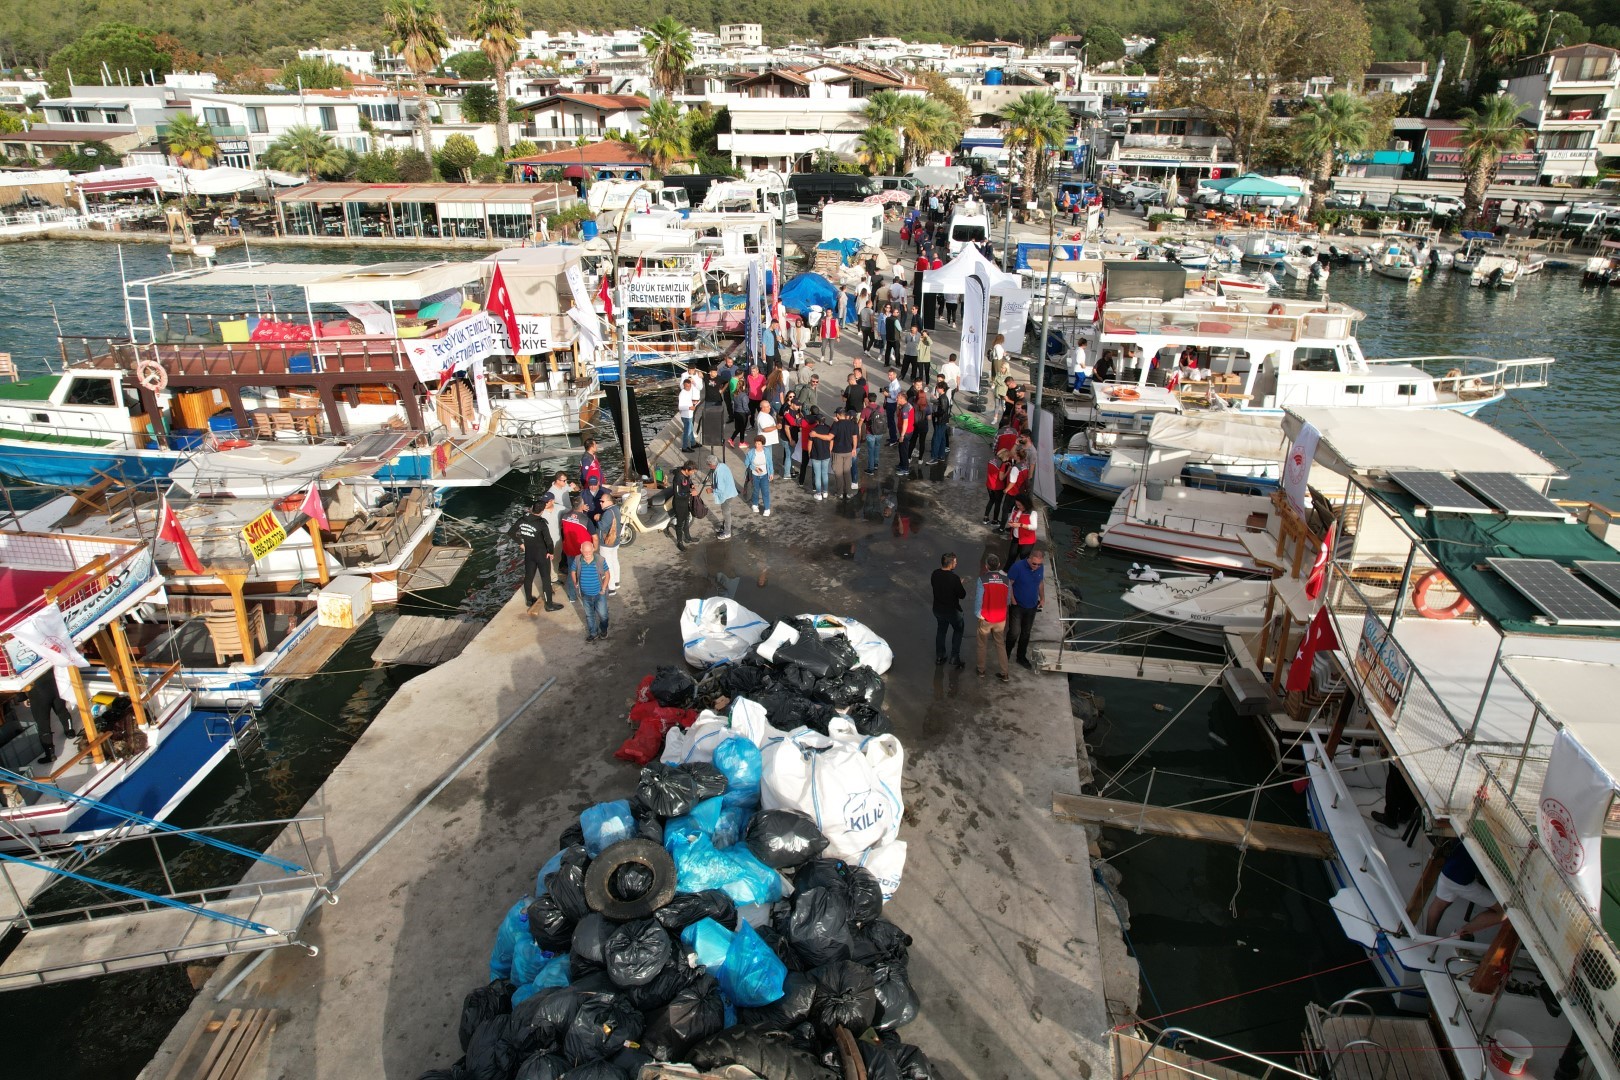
column 1251, row 185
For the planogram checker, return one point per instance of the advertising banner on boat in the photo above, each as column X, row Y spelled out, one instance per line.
column 263, row 535
column 658, row 291
column 86, row 607
column 1382, row 665
column 452, row 349
column 535, row 331
column 1574, row 803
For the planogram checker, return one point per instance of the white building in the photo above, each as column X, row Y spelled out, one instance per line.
column 244, row 125
column 742, row 35
column 559, row 119
column 1569, row 96
column 1395, row 76
column 349, row 58
column 1097, row 91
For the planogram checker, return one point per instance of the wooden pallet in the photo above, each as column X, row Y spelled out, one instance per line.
column 435, row 571
column 1191, row 825
column 227, row 1044
column 423, row 641
column 312, row 653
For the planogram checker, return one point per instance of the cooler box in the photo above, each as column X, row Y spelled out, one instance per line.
column 187, row 438
column 345, row 602
column 222, row 423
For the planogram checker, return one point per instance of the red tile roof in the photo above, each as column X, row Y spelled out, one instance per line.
column 608, row 152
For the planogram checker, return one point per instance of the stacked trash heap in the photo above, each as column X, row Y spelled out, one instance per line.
column 729, row 913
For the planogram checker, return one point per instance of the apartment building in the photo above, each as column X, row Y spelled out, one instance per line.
column 1569, row 96
column 742, row 36
column 561, row 119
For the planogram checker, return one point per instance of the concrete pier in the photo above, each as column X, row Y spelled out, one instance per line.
column 998, row 894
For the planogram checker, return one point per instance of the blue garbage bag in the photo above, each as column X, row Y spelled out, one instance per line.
column 740, row 761
column 752, row 882
column 710, row 940
column 700, row 865
column 527, row 959
column 704, row 818
column 514, row 927
column 732, row 825
column 752, row 974
column 605, row 824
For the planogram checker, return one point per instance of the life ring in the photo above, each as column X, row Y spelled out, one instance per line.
column 1124, row 393
column 1420, row 598
column 1454, row 373
column 150, row 374
column 1277, row 309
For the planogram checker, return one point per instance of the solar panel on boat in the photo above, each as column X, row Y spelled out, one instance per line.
column 1511, row 495
column 1438, row 491
column 1561, row 596
column 1606, row 574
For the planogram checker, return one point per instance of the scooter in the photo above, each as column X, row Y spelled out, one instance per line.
column 651, row 517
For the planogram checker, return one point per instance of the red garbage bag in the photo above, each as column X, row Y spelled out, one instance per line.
column 644, row 690
column 653, row 722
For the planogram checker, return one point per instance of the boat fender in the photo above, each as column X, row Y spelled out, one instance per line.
column 1420, row 598
column 150, row 374
column 1093, row 541
column 599, row 879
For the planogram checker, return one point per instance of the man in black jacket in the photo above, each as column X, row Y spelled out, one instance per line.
column 949, row 592
column 680, row 506
column 538, row 545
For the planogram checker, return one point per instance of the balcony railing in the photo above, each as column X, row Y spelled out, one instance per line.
column 218, row 131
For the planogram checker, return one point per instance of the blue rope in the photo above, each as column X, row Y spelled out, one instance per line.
column 218, row 916
column 1158, row 1009
column 142, row 819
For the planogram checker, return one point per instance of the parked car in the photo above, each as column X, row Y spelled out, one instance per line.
column 1344, row 200
column 1410, row 204
column 1446, row 206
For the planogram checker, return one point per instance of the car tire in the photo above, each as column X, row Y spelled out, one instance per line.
column 635, row 852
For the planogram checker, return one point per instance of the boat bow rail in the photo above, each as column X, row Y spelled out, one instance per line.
column 1473, row 377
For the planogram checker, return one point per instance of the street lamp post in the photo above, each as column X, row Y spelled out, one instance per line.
column 622, row 330
column 1046, row 305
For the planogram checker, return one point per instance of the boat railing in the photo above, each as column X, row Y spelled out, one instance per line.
column 102, row 566
column 1268, row 320
column 1185, row 1053
column 1576, row 956
column 1472, row 377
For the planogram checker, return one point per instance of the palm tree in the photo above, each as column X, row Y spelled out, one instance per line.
column 878, row 149
column 497, row 24
column 1340, row 121
column 420, row 39
column 1487, row 133
column 929, row 126
column 885, row 109
column 669, row 43
column 304, row 149
column 1035, row 123
column 666, row 133
column 189, row 141
column 1506, row 29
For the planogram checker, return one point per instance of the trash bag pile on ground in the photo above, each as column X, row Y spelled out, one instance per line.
column 729, row 910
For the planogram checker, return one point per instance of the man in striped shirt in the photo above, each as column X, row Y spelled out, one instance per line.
column 592, row 580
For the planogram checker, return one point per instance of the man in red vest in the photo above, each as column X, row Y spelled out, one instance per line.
column 991, row 600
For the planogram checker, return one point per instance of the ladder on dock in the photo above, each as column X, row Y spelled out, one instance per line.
column 1119, row 665
column 1139, row 817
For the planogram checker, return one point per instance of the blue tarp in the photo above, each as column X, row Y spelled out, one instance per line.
column 1025, row 250
column 846, row 249
column 807, row 290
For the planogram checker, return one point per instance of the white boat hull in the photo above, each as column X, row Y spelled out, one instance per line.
column 1202, row 609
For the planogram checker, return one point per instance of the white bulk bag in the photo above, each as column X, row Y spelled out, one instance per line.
column 873, row 650
column 697, row 743
column 887, row 862
column 718, row 631
column 837, row 782
column 781, row 634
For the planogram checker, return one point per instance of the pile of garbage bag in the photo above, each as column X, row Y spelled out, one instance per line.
column 729, row 910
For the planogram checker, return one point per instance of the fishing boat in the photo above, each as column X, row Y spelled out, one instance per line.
column 1474, row 247
column 1227, row 451
column 1227, row 283
column 1485, row 681
column 144, row 744
column 1395, row 258
column 1347, row 254
column 1495, row 271
column 1262, row 249
column 1260, row 355
column 1189, row 526
column 1199, row 607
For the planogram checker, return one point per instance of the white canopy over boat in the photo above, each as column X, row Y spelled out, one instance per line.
column 1224, row 435
column 1377, row 440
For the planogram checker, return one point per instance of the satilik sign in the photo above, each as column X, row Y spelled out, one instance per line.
column 263, row 535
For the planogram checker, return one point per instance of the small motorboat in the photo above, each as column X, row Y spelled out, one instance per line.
column 1397, row 260
column 1198, row 607
column 1474, row 247
column 1348, row 255
column 1229, row 284
column 1495, row 271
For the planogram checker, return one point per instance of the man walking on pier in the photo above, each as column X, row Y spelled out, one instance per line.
column 593, row 580
column 990, row 602
column 724, row 486
column 538, row 547
column 1027, row 577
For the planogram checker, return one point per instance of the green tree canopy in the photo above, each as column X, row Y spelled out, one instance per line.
column 479, row 105
column 305, row 149
column 1340, row 122
column 120, row 46
column 1103, row 43
column 457, row 157
column 470, row 65
column 189, row 142
column 313, row 73
column 669, row 43
column 1488, row 132
column 666, row 134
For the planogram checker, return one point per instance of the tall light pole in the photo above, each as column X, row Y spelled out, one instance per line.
column 1046, row 304
column 622, row 329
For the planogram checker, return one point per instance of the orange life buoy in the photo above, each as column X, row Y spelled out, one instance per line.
column 150, row 374
column 1420, row 598
column 1277, row 309
column 1125, row 393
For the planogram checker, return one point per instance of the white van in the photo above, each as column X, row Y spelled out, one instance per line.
column 853, row 221
column 969, row 224
column 940, row 176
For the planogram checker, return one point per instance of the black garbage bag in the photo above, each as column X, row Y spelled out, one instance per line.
column 913, row 1063
column 801, row 680
column 597, row 982
column 601, row 1027
column 550, row 927
column 710, row 780
column 865, row 895
column 818, row 926
column 846, row 995
column 792, row 1008
column 842, row 651
column 632, row 1060
column 811, row 654
column 661, row 989
column 879, row 1061
column 747, row 678
column 589, row 951
column 572, row 837
column 694, row 1014
column 857, row 686
column 482, row 1004
column 636, row 952
column 491, row 1054
column 880, row 942
column 454, row 1072
column 772, row 1054
column 597, row 1070
column 630, row 882
column 667, row 790
column 779, row 945
column 688, row 908
column 542, row 1067
column 648, row 826
column 783, row 839
column 673, row 688
column 567, row 886
column 897, row 1001
column 540, row 1022
column 868, row 721
column 575, row 854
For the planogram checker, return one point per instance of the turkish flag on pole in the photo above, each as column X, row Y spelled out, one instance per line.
column 313, row 509
column 1102, row 298
column 169, row 529
column 1319, row 636
column 1318, row 575
column 499, row 304
column 606, row 297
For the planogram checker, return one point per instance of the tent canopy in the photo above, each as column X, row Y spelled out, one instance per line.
column 808, row 290
column 950, row 278
column 1251, row 185
column 173, row 180
column 1376, row 440
column 1256, row 438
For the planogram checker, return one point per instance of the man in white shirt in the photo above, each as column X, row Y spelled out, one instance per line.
column 685, row 405
column 951, row 372
column 897, row 290
column 766, row 424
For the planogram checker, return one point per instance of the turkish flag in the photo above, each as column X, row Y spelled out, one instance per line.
column 170, row 530
column 311, row 507
column 1318, row 575
column 1319, row 636
column 1102, row 297
column 499, row 304
column 606, row 297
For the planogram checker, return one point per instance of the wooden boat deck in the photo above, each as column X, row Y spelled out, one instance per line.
column 313, row 652
column 423, row 641
column 1359, row 1047
column 1191, row 825
column 1115, row 665
column 437, row 570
